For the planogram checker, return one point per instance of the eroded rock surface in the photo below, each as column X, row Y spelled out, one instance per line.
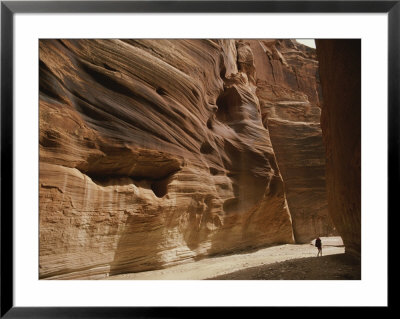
column 158, row 152
column 152, row 153
column 290, row 98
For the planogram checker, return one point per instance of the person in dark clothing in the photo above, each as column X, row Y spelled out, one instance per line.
column 318, row 244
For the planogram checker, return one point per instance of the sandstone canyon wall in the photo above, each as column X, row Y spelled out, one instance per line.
column 157, row 152
column 340, row 70
column 290, row 99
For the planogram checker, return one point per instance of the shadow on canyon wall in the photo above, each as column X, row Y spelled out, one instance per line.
column 340, row 74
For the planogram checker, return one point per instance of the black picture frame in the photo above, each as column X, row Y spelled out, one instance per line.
column 9, row 8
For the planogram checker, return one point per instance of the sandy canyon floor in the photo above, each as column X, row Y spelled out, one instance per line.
column 292, row 262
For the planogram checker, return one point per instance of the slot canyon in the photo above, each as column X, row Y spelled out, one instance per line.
column 155, row 153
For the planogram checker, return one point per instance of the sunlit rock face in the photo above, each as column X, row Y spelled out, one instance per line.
column 157, row 152
column 290, row 98
column 340, row 70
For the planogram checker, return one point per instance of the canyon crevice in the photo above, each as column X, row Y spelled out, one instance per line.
column 159, row 152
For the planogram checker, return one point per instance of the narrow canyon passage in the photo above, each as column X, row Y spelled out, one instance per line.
column 160, row 153
column 225, row 267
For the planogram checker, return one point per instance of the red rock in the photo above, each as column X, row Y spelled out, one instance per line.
column 152, row 153
column 158, row 152
column 290, row 104
column 340, row 70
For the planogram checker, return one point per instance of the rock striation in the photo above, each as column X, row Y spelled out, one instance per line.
column 158, row 152
column 152, row 153
column 340, row 70
column 289, row 91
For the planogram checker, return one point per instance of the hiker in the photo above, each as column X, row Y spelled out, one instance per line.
column 318, row 244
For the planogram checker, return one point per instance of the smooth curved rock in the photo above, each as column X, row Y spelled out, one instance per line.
column 152, row 153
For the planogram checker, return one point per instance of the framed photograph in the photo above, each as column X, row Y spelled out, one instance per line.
column 161, row 156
